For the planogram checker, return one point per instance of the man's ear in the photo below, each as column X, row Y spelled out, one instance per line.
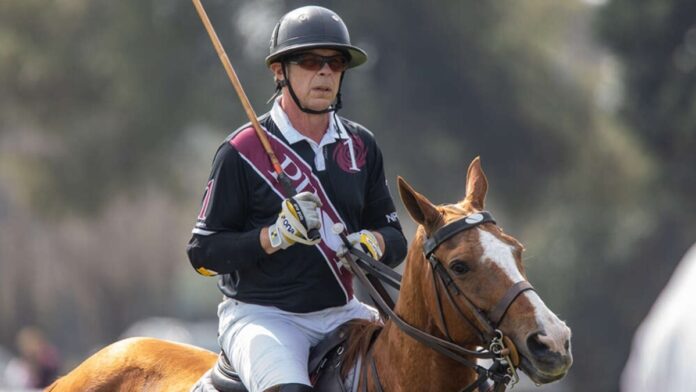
column 277, row 70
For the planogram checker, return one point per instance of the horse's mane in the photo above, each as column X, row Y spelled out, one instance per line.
column 361, row 334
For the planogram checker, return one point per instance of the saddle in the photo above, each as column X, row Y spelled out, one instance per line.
column 324, row 366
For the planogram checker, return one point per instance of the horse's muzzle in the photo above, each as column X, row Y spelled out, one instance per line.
column 546, row 359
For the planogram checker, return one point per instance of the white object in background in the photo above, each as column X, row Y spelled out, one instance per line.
column 665, row 343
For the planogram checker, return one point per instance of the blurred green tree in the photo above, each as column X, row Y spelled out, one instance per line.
column 110, row 87
column 656, row 43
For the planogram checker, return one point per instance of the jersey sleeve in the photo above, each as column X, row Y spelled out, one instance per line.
column 220, row 243
column 380, row 214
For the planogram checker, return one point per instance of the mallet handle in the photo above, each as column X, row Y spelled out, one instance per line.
column 238, row 87
column 282, row 177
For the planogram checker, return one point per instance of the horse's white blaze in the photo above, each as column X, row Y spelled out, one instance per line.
column 556, row 333
column 497, row 252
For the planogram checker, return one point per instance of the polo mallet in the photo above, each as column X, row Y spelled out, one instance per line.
column 284, row 180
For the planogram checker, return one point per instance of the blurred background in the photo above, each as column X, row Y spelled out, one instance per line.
column 584, row 114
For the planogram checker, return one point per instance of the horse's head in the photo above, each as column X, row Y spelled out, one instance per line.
column 485, row 265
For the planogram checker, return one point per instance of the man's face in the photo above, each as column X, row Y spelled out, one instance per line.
column 315, row 88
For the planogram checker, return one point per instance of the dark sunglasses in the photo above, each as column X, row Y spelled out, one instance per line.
column 315, row 62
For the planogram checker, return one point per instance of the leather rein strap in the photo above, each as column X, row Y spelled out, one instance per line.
column 502, row 372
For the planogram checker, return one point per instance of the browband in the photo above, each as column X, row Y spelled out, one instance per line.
column 445, row 232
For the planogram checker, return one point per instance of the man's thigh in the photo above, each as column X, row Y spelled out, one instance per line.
column 267, row 351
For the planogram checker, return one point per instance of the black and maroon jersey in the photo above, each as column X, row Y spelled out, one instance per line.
column 242, row 196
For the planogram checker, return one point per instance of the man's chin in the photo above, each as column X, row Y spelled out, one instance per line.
column 318, row 107
column 320, row 102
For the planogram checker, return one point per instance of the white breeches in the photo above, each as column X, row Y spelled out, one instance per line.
column 268, row 346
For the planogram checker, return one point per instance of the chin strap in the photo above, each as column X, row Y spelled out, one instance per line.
column 278, row 90
column 335, row 107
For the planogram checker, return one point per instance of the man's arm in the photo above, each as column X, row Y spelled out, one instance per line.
column 221, row 243
column 379, row 215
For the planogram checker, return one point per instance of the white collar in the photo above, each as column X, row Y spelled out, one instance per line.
column 292, row 135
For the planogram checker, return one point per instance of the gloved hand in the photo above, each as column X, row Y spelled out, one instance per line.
column 298, row 215
column 365, row 241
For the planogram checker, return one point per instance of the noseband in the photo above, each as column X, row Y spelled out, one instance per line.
column 500, row 348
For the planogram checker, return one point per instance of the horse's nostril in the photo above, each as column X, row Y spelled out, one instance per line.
column 567, row 345
column 536, row 346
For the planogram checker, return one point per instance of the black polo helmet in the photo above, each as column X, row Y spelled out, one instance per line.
column 312, row 27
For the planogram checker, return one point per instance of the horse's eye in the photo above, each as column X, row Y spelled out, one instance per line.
column 459, row 267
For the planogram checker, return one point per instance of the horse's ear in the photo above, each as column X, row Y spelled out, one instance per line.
column 419, row 207
column 476, row 185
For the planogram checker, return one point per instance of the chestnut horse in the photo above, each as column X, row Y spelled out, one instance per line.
column 485, row 268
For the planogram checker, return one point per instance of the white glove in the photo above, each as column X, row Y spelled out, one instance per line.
column 365, row 241
column 298, row 215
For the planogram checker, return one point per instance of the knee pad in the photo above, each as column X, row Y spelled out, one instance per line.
column 295, row 388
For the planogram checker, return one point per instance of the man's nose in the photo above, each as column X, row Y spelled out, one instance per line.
column 325, row 69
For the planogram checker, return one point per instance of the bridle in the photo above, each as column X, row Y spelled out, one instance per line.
column 497, row 347
column 506, row 358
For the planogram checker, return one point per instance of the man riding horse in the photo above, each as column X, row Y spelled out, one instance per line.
column 464, row 294
column 285, row 287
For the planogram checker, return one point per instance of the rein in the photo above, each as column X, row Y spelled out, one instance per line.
column 500, row 350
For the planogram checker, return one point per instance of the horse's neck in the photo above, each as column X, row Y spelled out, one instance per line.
column 403, row 363
column 406, row 365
